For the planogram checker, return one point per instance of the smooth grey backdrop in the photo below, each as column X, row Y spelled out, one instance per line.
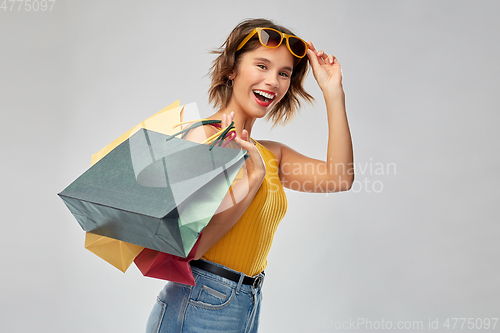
column 416, row 239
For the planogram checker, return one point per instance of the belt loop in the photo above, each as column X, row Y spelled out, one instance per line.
column 242, row 276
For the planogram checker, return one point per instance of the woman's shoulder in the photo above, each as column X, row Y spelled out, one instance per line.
column 273, row 146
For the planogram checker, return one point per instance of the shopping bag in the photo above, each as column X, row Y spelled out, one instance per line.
column 165, row 266
column 117, row 253
column 152, row 189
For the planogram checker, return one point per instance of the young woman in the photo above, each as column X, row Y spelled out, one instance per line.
column 259, row 73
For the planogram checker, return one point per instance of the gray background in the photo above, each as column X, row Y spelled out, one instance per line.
column 407, row 243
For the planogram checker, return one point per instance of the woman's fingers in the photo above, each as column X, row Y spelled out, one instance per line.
column 231, row 117
column 313, row 59
column 324, row 58
column 311, row 46
column 327, row 59
column 254, row 164
column 315, row 56
column 227, row 119
column 244, row 135
column 321, row 57
column 243, row 139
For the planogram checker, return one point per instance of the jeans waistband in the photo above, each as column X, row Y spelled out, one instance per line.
column 228, row 273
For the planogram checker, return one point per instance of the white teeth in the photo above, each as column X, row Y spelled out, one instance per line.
column 266, row 95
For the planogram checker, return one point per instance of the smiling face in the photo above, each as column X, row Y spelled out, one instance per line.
column 261, row 80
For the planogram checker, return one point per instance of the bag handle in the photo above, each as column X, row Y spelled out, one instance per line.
column 218, row 137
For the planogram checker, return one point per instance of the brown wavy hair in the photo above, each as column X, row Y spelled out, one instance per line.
column 228, row 60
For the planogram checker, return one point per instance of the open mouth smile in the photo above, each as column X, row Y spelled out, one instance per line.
column 264, row 98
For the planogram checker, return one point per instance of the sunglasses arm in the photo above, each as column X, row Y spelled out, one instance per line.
column 247, row 38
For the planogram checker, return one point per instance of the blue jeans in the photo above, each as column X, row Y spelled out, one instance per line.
column 215, row 304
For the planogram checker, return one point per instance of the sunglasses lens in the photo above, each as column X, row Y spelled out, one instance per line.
column 297, row 46
column 270, row 38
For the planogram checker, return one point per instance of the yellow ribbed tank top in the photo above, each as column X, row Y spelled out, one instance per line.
column 246, row 246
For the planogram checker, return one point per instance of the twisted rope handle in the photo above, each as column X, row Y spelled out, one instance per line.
column 218, row 137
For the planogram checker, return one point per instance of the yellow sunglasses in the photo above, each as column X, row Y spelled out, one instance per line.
column 273, row 38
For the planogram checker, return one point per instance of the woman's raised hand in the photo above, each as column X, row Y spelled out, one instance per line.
column 254, row 164
column 326, row 69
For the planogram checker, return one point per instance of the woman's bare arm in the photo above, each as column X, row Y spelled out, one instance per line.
column 242, row 192
column 302, row 173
